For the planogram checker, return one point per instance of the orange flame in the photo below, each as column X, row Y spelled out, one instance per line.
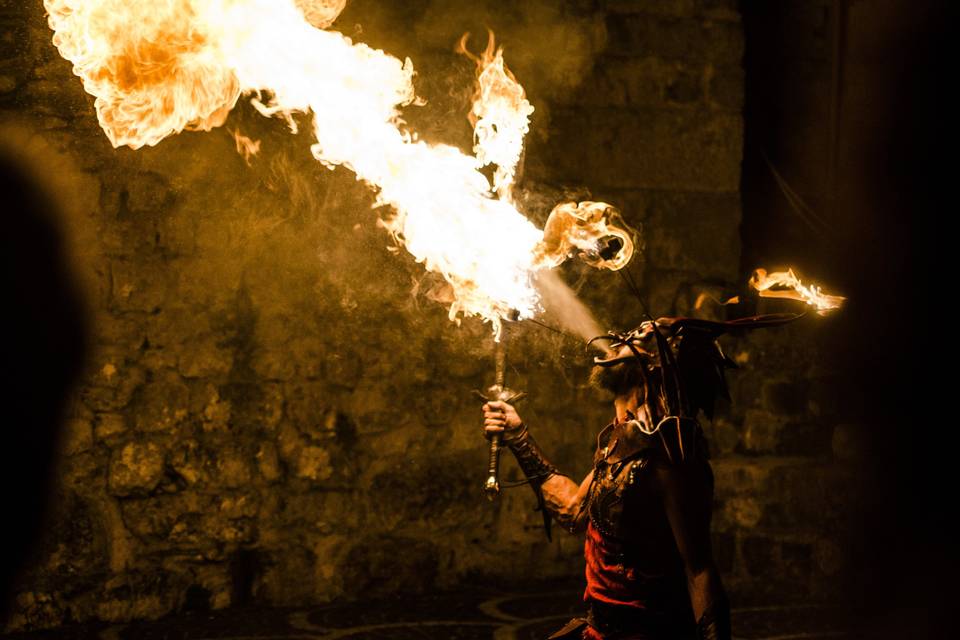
column 500, row 116
column 582, row 226
column 321, row 13
column 157, row 68
column 785, row 284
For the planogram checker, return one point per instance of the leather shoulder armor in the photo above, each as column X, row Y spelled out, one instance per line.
column 618, row 442
column 676, row 439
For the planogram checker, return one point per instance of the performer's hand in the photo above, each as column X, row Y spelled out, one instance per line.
column 500, row 417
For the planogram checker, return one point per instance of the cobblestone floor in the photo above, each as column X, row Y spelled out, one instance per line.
column 480, row 614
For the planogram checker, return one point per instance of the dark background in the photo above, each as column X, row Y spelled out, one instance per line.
column 858, row 116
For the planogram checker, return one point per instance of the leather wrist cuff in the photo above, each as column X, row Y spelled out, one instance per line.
column 533, row 463
column 714, row 624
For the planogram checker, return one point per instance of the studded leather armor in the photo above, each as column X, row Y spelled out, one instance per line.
column 635, row 574
column 619, row 506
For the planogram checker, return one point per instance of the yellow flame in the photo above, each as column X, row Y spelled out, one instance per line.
column 785, row 284
column 157, row 68
column 585, row 227
column 321, row 13
column 154, row 68
column 500, row 116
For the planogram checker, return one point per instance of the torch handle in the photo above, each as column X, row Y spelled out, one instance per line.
column 492, row 488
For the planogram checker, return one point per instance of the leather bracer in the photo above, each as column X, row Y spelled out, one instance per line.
column 535, row 467
column 533, row 463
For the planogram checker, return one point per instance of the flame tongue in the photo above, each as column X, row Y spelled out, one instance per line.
column 500, row 116
column 154, row 72
column 585, row 226
column 157, row 68
column 785, row 284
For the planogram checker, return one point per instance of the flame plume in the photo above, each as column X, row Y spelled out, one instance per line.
column 500, row 116
column 785, row 284
column 587, row 227
column 160, row 67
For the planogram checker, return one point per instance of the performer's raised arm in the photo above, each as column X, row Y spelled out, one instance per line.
column 687, row 492
column 560, row 495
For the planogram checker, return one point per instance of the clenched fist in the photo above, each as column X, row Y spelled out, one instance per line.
column 500, row 417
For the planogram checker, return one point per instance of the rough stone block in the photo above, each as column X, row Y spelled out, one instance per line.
column 205, row 357
column 686, row 150
column 762, row 431
column 723, row 437
column 233, row 467
column 312, row 463
column 849, row 442
column 108, row 426
column 724, row 551
column 148, row 192
column 796, row 560
column 807, row 494
column 633, row 83
column 711, row 9
column 138, row 285
column 382, row 565
column 190, row 462
column 725, row 88
column 784, row 395
column 136, row 469
column 743, row 512
column 720, row 43
column 77, row 436
column 805, row 438
column 268, row 462
column 739, row 475
column 824, row 398
column 829, row 557
column 759, row 554
column 695, row 232
column 161, row 404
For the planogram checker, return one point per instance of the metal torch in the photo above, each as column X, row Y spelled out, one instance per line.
column 498, row 391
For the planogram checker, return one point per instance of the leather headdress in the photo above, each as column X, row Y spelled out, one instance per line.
column 686, row 350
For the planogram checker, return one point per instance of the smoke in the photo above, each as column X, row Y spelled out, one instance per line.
column 561, row 304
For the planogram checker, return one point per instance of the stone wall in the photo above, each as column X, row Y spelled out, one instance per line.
column 275, row 409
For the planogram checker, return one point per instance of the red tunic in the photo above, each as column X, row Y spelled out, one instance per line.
column 633, row 568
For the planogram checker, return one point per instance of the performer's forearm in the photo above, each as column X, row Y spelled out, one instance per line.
column 562, row 497
column 710, row 606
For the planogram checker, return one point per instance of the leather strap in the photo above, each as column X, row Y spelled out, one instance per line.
column 535, row 467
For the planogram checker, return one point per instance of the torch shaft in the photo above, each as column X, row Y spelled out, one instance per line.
column 492, row 487
column 500, row 357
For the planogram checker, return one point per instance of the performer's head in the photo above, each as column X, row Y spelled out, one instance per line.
column 631, row 375
column 633, row 367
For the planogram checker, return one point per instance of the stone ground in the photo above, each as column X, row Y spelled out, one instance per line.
column 476, row 614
